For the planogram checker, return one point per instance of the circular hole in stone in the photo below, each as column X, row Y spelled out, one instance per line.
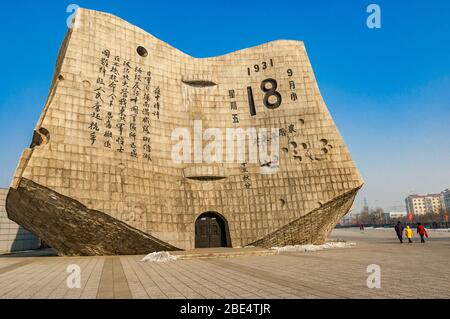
column 142, row 51
column 86, row 84
column 60, row 77
column 285, row 150
column 293, row 144
column 324, row 150
column 282, row 201
column 305, row 146
column 302, row 121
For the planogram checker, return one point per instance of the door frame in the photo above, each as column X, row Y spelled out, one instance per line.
column 223, row 223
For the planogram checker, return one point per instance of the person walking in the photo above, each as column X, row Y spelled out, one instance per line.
column 409, row 233
column 422, row 232
column 399, row 230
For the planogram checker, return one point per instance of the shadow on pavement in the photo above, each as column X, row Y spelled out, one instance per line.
column 31, row 253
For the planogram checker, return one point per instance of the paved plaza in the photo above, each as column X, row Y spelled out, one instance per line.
column 407, row 271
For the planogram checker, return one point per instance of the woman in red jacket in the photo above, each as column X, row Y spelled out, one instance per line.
column 422, row 232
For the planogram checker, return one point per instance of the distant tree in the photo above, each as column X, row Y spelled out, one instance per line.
column 364, row 216
column 378, row 216
column 371, row 216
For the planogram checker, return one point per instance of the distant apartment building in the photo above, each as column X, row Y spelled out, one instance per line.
column 424, row 204
column 445, row 199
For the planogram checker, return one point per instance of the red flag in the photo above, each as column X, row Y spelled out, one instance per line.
column 410, row 216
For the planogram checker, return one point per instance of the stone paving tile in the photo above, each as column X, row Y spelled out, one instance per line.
column 245, row 285
column 90, row 288
column 13, row 264
column 113, row 282
column 274, row 275
column 215, row 280
column 24, row 281
column 54, row 284
column 151, row 288
column 106, row 285
column 408, row 271
column 134, row 282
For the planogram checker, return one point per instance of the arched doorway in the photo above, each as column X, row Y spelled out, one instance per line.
column 211, row 230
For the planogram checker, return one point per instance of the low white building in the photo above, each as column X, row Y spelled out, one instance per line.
column 397, row 214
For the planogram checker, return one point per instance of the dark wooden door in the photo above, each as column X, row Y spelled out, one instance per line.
column 208, row 232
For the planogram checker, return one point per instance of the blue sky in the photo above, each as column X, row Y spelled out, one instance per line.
column 387, row 89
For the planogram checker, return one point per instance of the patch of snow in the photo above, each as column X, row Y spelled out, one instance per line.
column 159, row 257
column 337, row 240
column 439, row 229
column 310, row 248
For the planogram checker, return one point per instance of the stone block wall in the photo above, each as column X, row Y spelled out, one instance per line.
column 12, row 236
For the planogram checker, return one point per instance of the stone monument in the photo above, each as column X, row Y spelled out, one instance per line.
column 100, row 177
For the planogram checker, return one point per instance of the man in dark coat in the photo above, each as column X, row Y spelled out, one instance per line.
column 399, row 230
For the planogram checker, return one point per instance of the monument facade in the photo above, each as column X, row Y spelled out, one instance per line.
column 100, row 178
